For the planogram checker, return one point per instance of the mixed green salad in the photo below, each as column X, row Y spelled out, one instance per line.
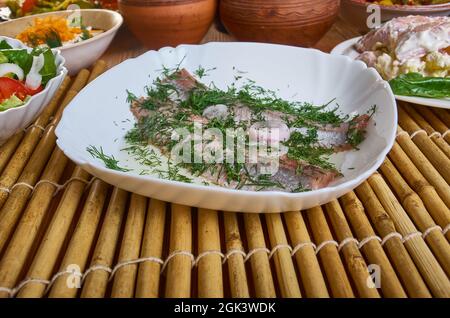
column 23, row 73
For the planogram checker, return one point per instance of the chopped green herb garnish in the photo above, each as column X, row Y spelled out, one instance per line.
column 109, row 161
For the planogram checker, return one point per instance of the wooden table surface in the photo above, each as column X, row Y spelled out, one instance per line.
column 125, row 45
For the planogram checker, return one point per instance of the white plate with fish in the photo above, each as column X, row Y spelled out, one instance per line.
column 125, row 125
column 404, row 38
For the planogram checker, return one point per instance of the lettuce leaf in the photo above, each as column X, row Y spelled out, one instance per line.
column 4, row 45
column 415, row 84
column 19, row 57
column 48, row 71
column 3, row 59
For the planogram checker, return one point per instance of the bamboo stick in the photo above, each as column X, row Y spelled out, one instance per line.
column 439, row 160
column 124, row 281
column 152, row 245
column 17, row 199
column 98, row 69
column 96, row 282
column 328, row 255
column 23, row 153
column 434, row 121
column 210, row 284
column 433, row 202
column 356, row 266
column 8, row 148
column 417, row 118
column 287, row 278
column 10, row 212
column 419, row 251
column 417, row 211
column 178, row 284
column 236, row 266
column 354, row 211
column 262, row 275
column 53, row 240
column 438, row 140
column 19, row 248
column 406, row 269
column 424, row 165
column 79, row 248
column 80, row 80
column 442, row 114
column 307, row 263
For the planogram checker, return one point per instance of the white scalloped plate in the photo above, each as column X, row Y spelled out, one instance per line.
column 347, row 48
column 100, row 116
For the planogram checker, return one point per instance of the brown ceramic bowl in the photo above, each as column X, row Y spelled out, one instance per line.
column 355, row 12
column 159, row 23
column 292, row 22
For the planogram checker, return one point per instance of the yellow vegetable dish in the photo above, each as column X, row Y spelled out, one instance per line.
column 56, row 31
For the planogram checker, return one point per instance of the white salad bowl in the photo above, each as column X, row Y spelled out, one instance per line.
column 14, row 119
column 82, row 54
column 99, row 116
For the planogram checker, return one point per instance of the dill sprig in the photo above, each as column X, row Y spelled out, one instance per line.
column 302, row 148
column 109, row 161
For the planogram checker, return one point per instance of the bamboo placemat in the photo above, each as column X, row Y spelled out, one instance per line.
column 61, row 229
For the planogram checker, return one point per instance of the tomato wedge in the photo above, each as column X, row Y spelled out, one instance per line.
column 9, row 87
column 28, row 6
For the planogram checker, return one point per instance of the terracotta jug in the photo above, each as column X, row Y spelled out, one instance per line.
column 292, row 22
column 159, row 23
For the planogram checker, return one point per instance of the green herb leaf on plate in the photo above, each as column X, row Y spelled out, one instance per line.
column 415, row 84
column 4, row 45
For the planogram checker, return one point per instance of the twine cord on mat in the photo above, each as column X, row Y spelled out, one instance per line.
column 34, row 126
column 233, row 252
column 409, row 236
column 13, row 291
column 133, row 262
column 173, row 254
column 23, row 184
column 420, row 131
column 367, row 240
column 446, row 229
column 402, row 132
column 206, row 253
column 346, row 241
column 195, row 260
column 325, row 243
column 5, row 190
column 95, row 268
column 445, row 133
column 254, row 251
column 431, row 229
column 58, row 275
column 390, row 236
column 435, row 133
column 299, row 246
column 58, row 187
column 278, row 247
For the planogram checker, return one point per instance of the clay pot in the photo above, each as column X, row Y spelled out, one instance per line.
column 159, row 23
column 293, row 22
